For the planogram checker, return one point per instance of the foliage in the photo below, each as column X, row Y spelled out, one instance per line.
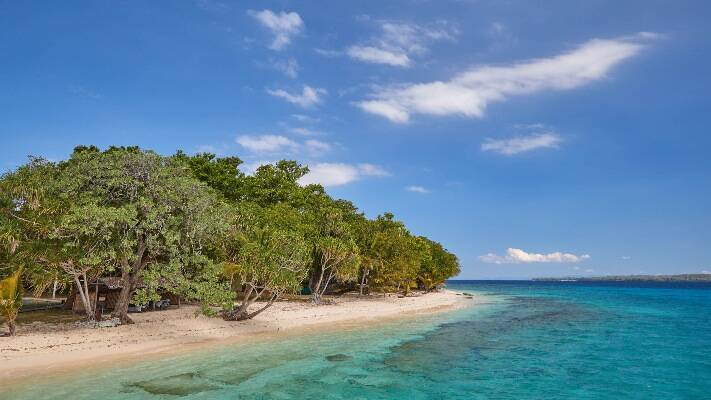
column 11, row 299
column 196, row 226
column 266, row 255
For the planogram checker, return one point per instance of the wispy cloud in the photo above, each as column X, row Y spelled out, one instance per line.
column 372, row 170
column 283, row 26
column 469, row 93
column 309, row 96
column 305, row 131
column 84, row 92
column 338, row 174
column 282, row 145
column 522, row 144
column 378, row 56
column 316, row 147
column 288, row 67
column 305, row 118
column 518, row 256
column 398, row 42
column 267, row 143
column 417, row 189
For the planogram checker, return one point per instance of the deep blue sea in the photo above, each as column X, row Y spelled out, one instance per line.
column 523, row 340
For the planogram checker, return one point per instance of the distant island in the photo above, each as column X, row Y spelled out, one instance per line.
column 637, row 278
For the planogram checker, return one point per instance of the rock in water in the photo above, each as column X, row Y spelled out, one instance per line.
column 339, row 357
column 176, row 385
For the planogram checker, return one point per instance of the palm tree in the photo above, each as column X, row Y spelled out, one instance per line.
column 11, row 299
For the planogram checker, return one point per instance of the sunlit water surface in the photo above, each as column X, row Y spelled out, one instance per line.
column 528, row 341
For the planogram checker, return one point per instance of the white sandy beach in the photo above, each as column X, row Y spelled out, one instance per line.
column 46, row 349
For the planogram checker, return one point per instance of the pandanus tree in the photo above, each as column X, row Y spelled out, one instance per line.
column 11, row 299
column 335, row 254
column 265, row 257
column 37, row 214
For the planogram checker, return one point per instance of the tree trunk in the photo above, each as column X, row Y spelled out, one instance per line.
column 129, row 279
column 241, row 313
column 12, row 326
column 84, row 295
column 121, row 308
column 315, row 293
column 54, row 289
column 269, row 304
column 363, row 280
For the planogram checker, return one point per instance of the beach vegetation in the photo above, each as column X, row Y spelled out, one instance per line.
column 11, row 299
column 198, row 227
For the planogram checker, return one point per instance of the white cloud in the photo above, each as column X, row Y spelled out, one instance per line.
column 338, row 174
column 385, row 109
column 417, row 189
column 372, row 170
column 283, row 26
column 626, row 257
column 521, row 144
column 277, row 144
column 316, row 147
column 517, row 256
column 309, row 96
column 589, row 270
column 305, row 118
column 397, row 42
column 267, row 143
column 288, row 67
column 469, row 93
column 378, row 56
column 330, row 174
column 536, row 125
column 305, row 131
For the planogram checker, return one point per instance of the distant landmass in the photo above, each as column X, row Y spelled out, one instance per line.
column 627, row 278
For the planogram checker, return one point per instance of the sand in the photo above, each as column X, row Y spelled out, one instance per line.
column 53, row 348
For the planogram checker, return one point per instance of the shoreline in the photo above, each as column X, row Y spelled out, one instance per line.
column 55, row 349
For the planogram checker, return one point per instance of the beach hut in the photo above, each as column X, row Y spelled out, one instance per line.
column 106, row 291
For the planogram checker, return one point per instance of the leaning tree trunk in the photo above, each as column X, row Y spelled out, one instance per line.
column 242, row 313
column 81, row 288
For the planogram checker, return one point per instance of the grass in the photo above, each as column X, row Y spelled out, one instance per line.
column 53, row 316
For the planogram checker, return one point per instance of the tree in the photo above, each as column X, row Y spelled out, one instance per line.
column 219, row 173
column 11, row 299
column 438, row 267
column 334, row 251
column 122, row 211
column 278, row 184
column 265, row 256
column 144, row 210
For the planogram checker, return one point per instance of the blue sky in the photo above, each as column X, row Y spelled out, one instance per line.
column 565, row 138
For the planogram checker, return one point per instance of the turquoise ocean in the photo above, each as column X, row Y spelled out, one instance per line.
column 523, row 340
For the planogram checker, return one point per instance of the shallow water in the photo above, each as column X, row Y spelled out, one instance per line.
column 531, row 341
